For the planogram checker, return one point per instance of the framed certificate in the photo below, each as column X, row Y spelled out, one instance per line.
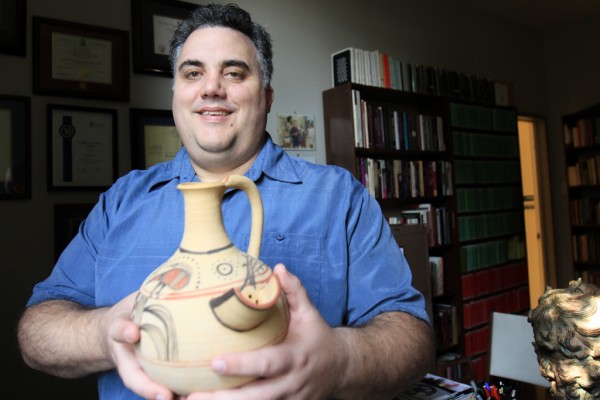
column 154, row 137
column 12, row 27
column 154, row 22
column 71, row 59
column 15, row 147
column 82, row 145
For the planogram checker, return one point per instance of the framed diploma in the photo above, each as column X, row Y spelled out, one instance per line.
column 82, row 146
column 71, row 59
column 12, row 27
column 154, row 137
column 154, row 22
column 15, row 147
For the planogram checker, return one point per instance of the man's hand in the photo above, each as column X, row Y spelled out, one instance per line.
column 120, row 336
column 64, row 339
column 305, row 365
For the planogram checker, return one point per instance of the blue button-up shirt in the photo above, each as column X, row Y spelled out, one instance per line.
column 318, row 220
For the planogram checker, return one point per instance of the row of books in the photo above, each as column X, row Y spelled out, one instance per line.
column 438, row 220
column 493, row 280
column 382, row 127
column 477, row 256
column 482, row 226
column 446, row 324
column 375, row 68
column 454, row 366
column 484, row 118
column 481, row 368
column 401, row 179
column 585, row 211
column 590, row 276
column 584, row 172
column 586, row 247
column 493, row 171
column 436, row 265
column 477, row 341
column 583, row 133
column 477, row 313
column 484, row 145
column 488, row 199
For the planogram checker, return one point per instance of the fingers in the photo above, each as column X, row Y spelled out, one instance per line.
column 266, row 362
column 136, row 379
column 123, row 335
column 256, row 390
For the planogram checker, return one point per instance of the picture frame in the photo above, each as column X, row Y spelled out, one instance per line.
column 82, row 147
column 154, row 137
column 15, row 147
column 13, row 27
column 67, row 219
column 297, row 131
column 153, row 24
column 77, row 60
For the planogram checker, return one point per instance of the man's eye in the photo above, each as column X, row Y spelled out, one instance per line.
column 192, row 74
column 235, row 75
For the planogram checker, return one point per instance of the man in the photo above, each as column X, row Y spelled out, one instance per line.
column 357, row 327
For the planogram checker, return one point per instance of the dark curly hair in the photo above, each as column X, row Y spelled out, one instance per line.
column 228, row 16
column 566, row 328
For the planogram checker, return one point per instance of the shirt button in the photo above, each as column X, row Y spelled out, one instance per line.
column 279, row 236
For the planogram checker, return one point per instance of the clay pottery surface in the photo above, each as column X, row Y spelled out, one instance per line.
column 209, row 297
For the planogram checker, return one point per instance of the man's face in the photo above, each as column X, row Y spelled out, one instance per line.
column 219, row 104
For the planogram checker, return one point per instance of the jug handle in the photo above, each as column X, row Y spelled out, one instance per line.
column 249, row 187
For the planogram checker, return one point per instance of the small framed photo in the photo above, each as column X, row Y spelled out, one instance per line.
column 15, row 147
column 82, row 146
column 296, row 132
column 76, row 60
column 154, row 137
column 154, row 22
column 13, row 25
column 67, row 219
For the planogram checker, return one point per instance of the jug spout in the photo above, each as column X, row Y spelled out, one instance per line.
column 244, row 308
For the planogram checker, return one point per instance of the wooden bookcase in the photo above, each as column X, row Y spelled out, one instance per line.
column 490, row 221
column 422, row 161
column 582, row 154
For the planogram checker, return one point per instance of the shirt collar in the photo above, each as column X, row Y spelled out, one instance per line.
column 275, row 163
column 271, row 161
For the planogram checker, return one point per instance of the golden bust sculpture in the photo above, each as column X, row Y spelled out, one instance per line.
column 566, row 329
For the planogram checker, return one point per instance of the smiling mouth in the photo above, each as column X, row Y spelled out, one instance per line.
column 215, row 113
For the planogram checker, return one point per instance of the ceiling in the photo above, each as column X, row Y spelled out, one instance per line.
column 538, row 15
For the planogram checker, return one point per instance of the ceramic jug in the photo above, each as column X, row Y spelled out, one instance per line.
column 209, row 297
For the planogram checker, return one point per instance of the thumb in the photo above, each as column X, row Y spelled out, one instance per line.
column 295, row 293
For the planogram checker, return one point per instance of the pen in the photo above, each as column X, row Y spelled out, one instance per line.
column 486, row 389
column 495, row 394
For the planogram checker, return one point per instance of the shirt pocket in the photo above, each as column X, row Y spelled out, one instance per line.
column 300, row 253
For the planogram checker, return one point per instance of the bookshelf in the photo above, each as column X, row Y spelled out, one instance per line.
column 490, row 221
column 582, row 154
column 397, row 144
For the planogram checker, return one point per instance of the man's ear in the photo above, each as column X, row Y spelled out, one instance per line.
column 270, row 96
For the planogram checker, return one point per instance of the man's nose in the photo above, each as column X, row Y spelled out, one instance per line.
column 213, row 85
